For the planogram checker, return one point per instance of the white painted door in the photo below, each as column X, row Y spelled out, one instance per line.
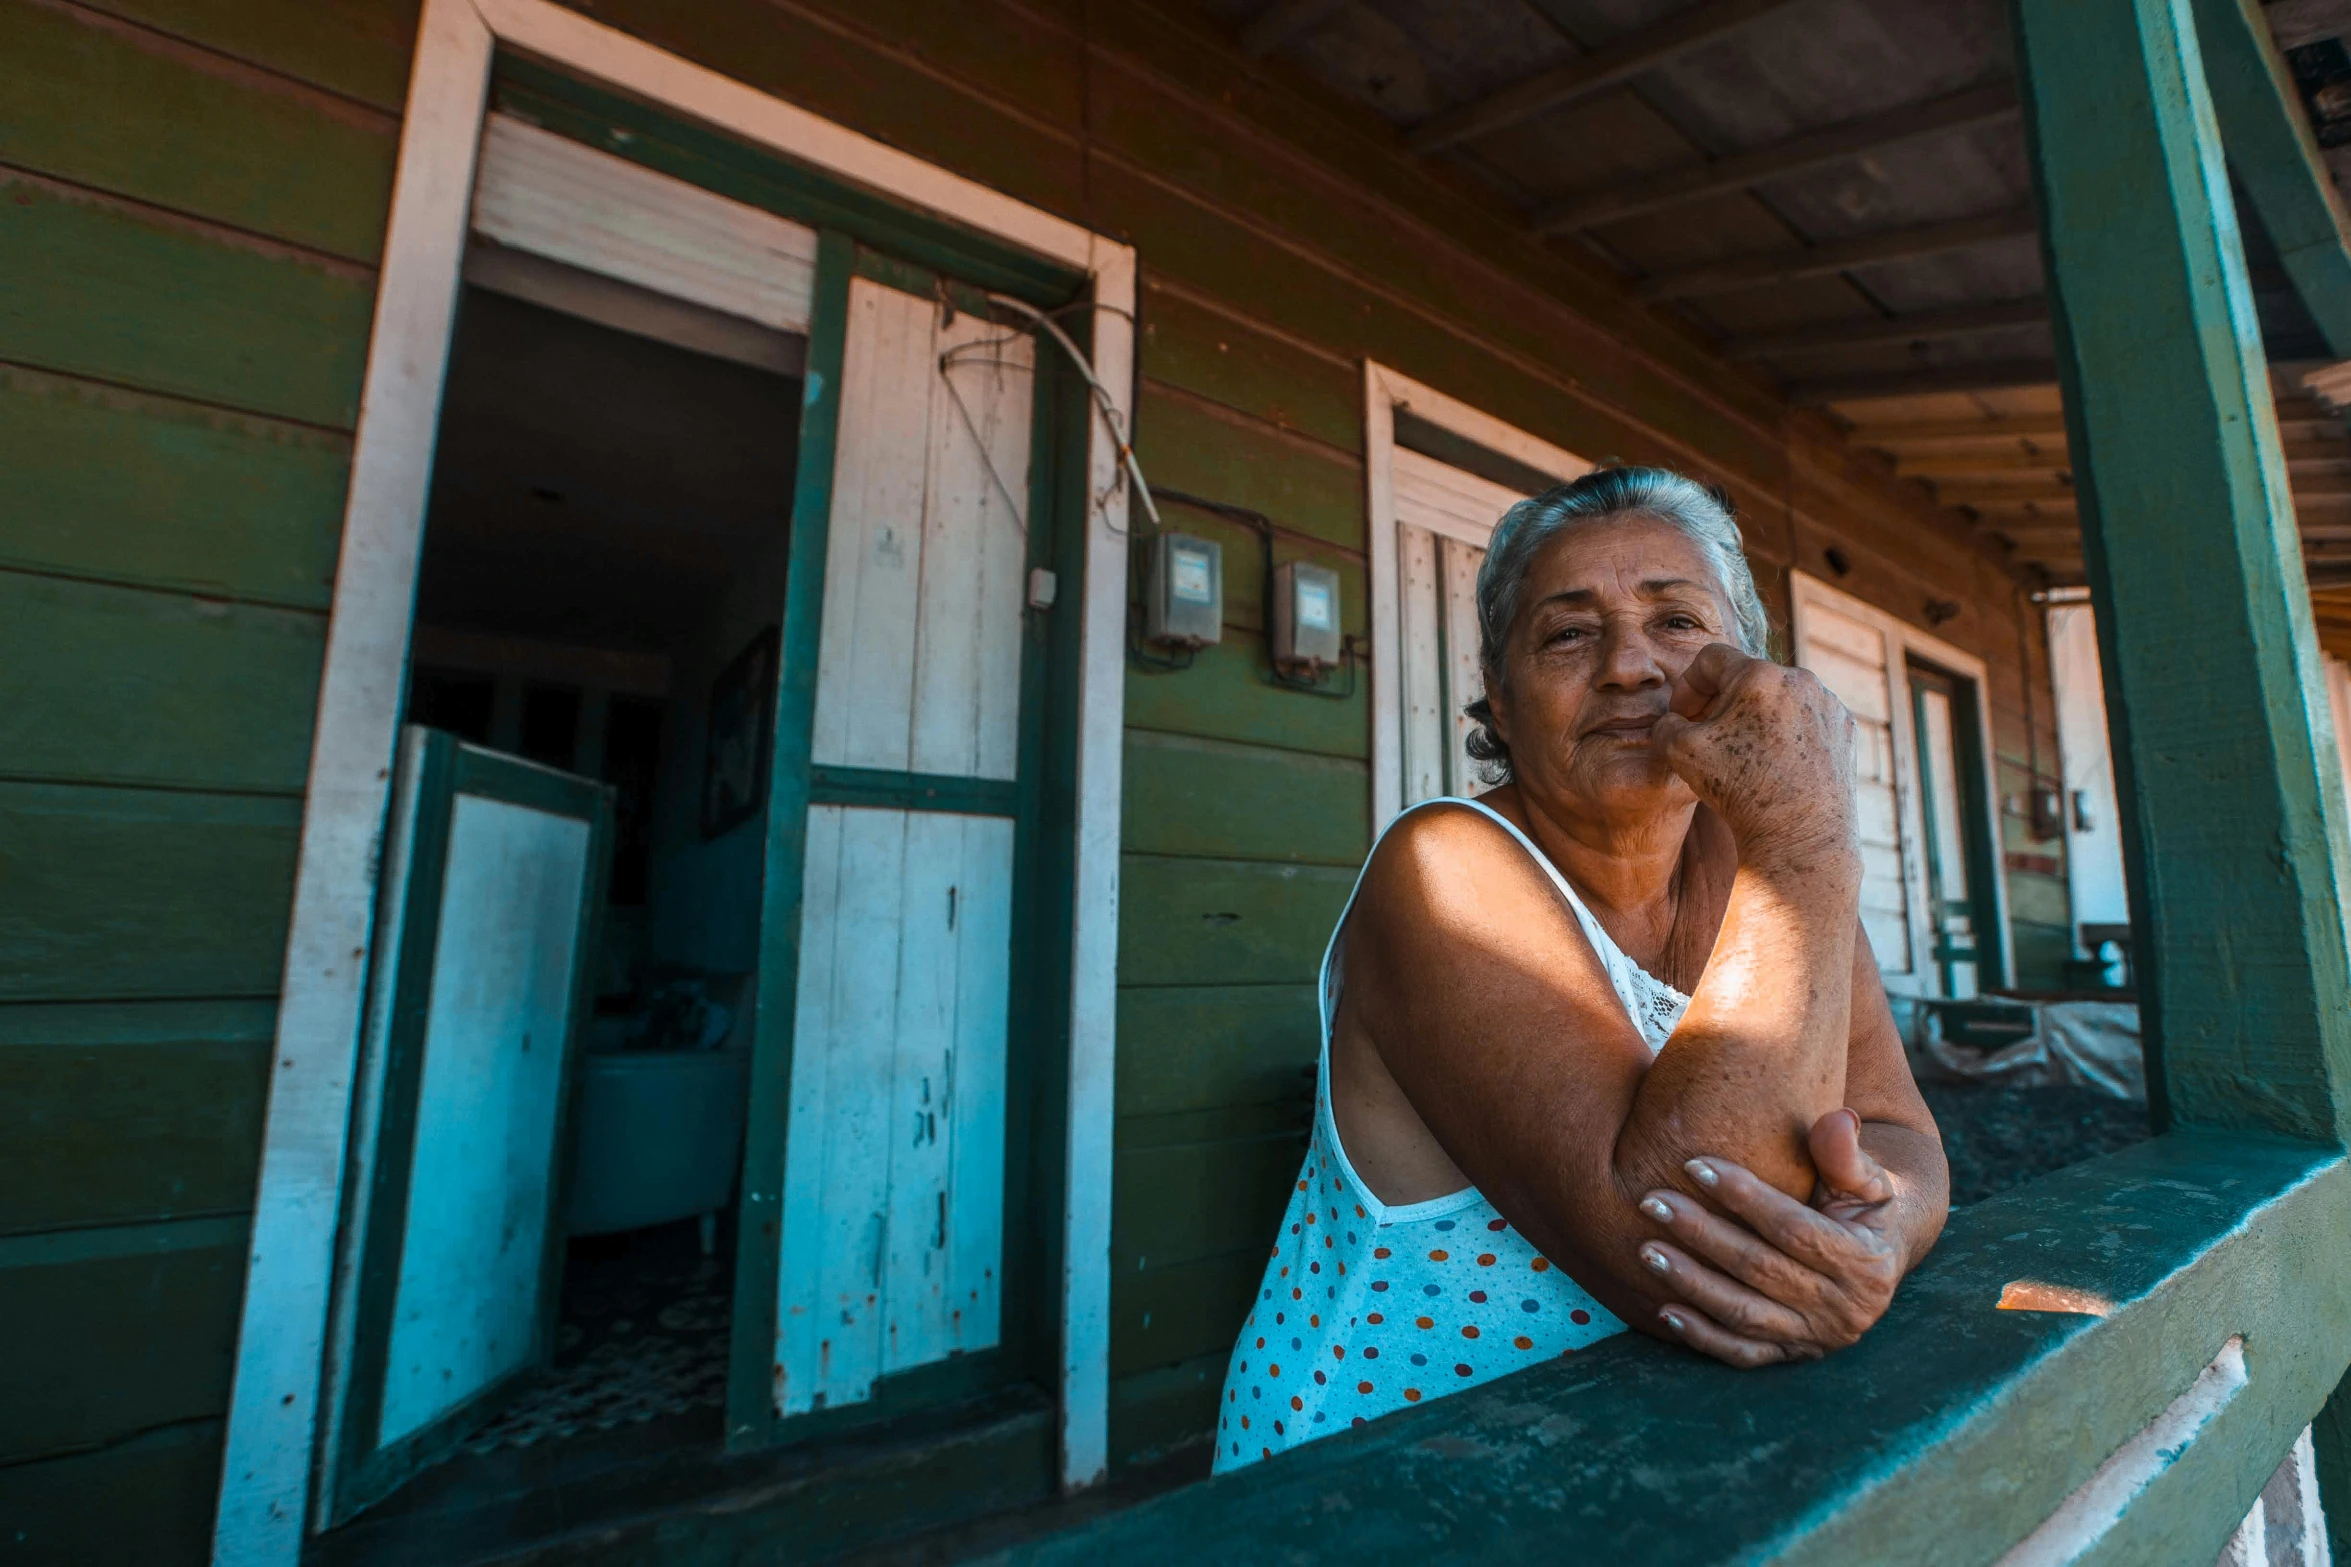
column 451, row 1255
column 893, row 1188
column 1444, row 516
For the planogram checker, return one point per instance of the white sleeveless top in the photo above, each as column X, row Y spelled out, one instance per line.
column 1367, row 1308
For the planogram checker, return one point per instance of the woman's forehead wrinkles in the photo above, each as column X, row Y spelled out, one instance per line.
column 1653, row 587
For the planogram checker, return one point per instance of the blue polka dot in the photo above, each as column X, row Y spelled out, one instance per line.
column 1379, row 1284
column 1528, row 1305
column 1297, row 1344
column 1319, row 1418
column 1430, row 1289
column 1444, row 1224
column 1420, row 1360
column 1255, row 1392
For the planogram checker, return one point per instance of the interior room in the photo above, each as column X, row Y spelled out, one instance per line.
column 602, row 575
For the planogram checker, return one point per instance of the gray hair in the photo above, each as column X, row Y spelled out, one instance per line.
column 1702, row 514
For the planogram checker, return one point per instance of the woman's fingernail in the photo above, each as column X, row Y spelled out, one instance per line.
column 1672, row 1320
column 1657, row 1210
column 1656, row 1260
column 1702, row 1172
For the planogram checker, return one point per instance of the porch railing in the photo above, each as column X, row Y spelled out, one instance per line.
column 2195, row 1291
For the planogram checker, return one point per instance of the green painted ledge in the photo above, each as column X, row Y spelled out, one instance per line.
column 1947, row 1435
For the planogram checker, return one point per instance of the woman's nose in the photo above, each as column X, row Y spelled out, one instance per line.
column 1627, row 662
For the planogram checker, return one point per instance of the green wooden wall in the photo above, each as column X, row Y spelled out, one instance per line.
column 192, row 202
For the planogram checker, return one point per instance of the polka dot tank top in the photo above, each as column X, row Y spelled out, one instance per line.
column 1367, row 1308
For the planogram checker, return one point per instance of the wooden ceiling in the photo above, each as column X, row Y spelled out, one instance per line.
column 1834, row 191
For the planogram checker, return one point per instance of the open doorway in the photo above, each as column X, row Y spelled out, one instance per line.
column 553, row 1125
column 604, row 562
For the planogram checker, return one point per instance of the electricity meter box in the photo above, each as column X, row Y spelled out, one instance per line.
column 1306, row 617
column 1184, row 602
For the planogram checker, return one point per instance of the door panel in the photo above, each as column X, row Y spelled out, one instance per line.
column 925, row 577
column 1851, row 658
column 894, row 1165
column 465, row 1312
column 451, row 1254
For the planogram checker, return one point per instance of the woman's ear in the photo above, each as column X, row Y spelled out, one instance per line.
column 1497, row 707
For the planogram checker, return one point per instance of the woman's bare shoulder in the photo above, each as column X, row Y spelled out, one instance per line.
column 1446, row 869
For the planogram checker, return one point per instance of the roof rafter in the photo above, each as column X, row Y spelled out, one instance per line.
column 1925, row 327
column 1283, row 21
column 1786, row 266
column 1590, row 73
column 1831, row 144
column 1988, row 375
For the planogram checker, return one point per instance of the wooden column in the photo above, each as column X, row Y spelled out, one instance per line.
column 2232, row 811
column 2276, row 160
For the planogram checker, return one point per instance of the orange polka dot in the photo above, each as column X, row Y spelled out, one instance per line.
column 1375, row 1319
column 1523, row 1342
column 1273, row 1371
column 1422, row 1322
column 1363, row 1387
column 1338, row 1352
column 1314, row 1322
column 1381, row 1251
column 1285, row 1273
column 1301, row 1186
column 1244, row 1422
column 1359, row 1213
column 1438, row 1256
column 1469, row 1332
column 1541, row 1265
column 1412, row 1395
column 1310, row 1213
column 1261, row 1343
column 1485, row 1259
column 1296, row 1403
column 1297, row 1294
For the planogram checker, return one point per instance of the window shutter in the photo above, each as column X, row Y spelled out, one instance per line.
column 1444, row 516
column 1851, row 657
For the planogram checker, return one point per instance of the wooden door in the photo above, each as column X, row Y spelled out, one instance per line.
column 452, row 1251
column 890, row 915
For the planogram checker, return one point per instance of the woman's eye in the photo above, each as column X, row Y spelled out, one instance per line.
column 1683, row 623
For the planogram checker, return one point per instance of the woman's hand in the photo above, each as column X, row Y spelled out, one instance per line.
column 1792, row 1282
column 1768, row 747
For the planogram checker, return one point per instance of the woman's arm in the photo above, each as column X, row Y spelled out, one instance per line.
column 1478, row 996
column 1776, row 1281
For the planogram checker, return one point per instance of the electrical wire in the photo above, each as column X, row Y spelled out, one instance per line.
column 1106, row 404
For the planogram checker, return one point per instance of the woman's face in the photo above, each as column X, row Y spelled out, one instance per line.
column 1609, row 616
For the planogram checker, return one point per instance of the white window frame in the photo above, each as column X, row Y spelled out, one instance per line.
column 1904, row 640
column 273, row 1410
column 1384, row 391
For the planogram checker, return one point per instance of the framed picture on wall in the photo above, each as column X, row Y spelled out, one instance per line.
column 742, row 723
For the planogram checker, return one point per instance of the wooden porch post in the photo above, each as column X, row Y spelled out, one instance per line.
column 2233, row 837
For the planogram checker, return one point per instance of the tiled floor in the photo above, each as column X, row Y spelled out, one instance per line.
column 644, row 1334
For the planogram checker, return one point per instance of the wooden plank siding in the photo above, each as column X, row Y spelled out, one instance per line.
column 192, row 194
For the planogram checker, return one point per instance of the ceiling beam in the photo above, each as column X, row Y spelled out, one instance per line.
column 1593, row 72
column 1925, row 327
column 1974, row 428
column 1990, row 375
column 1832, row 144
column 1284, row 20
column 2302, row 457
column 1993, row 497
column 1947, row 465
column 1785, row 266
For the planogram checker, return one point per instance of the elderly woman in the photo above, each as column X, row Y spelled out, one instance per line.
column 1604, row 1047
